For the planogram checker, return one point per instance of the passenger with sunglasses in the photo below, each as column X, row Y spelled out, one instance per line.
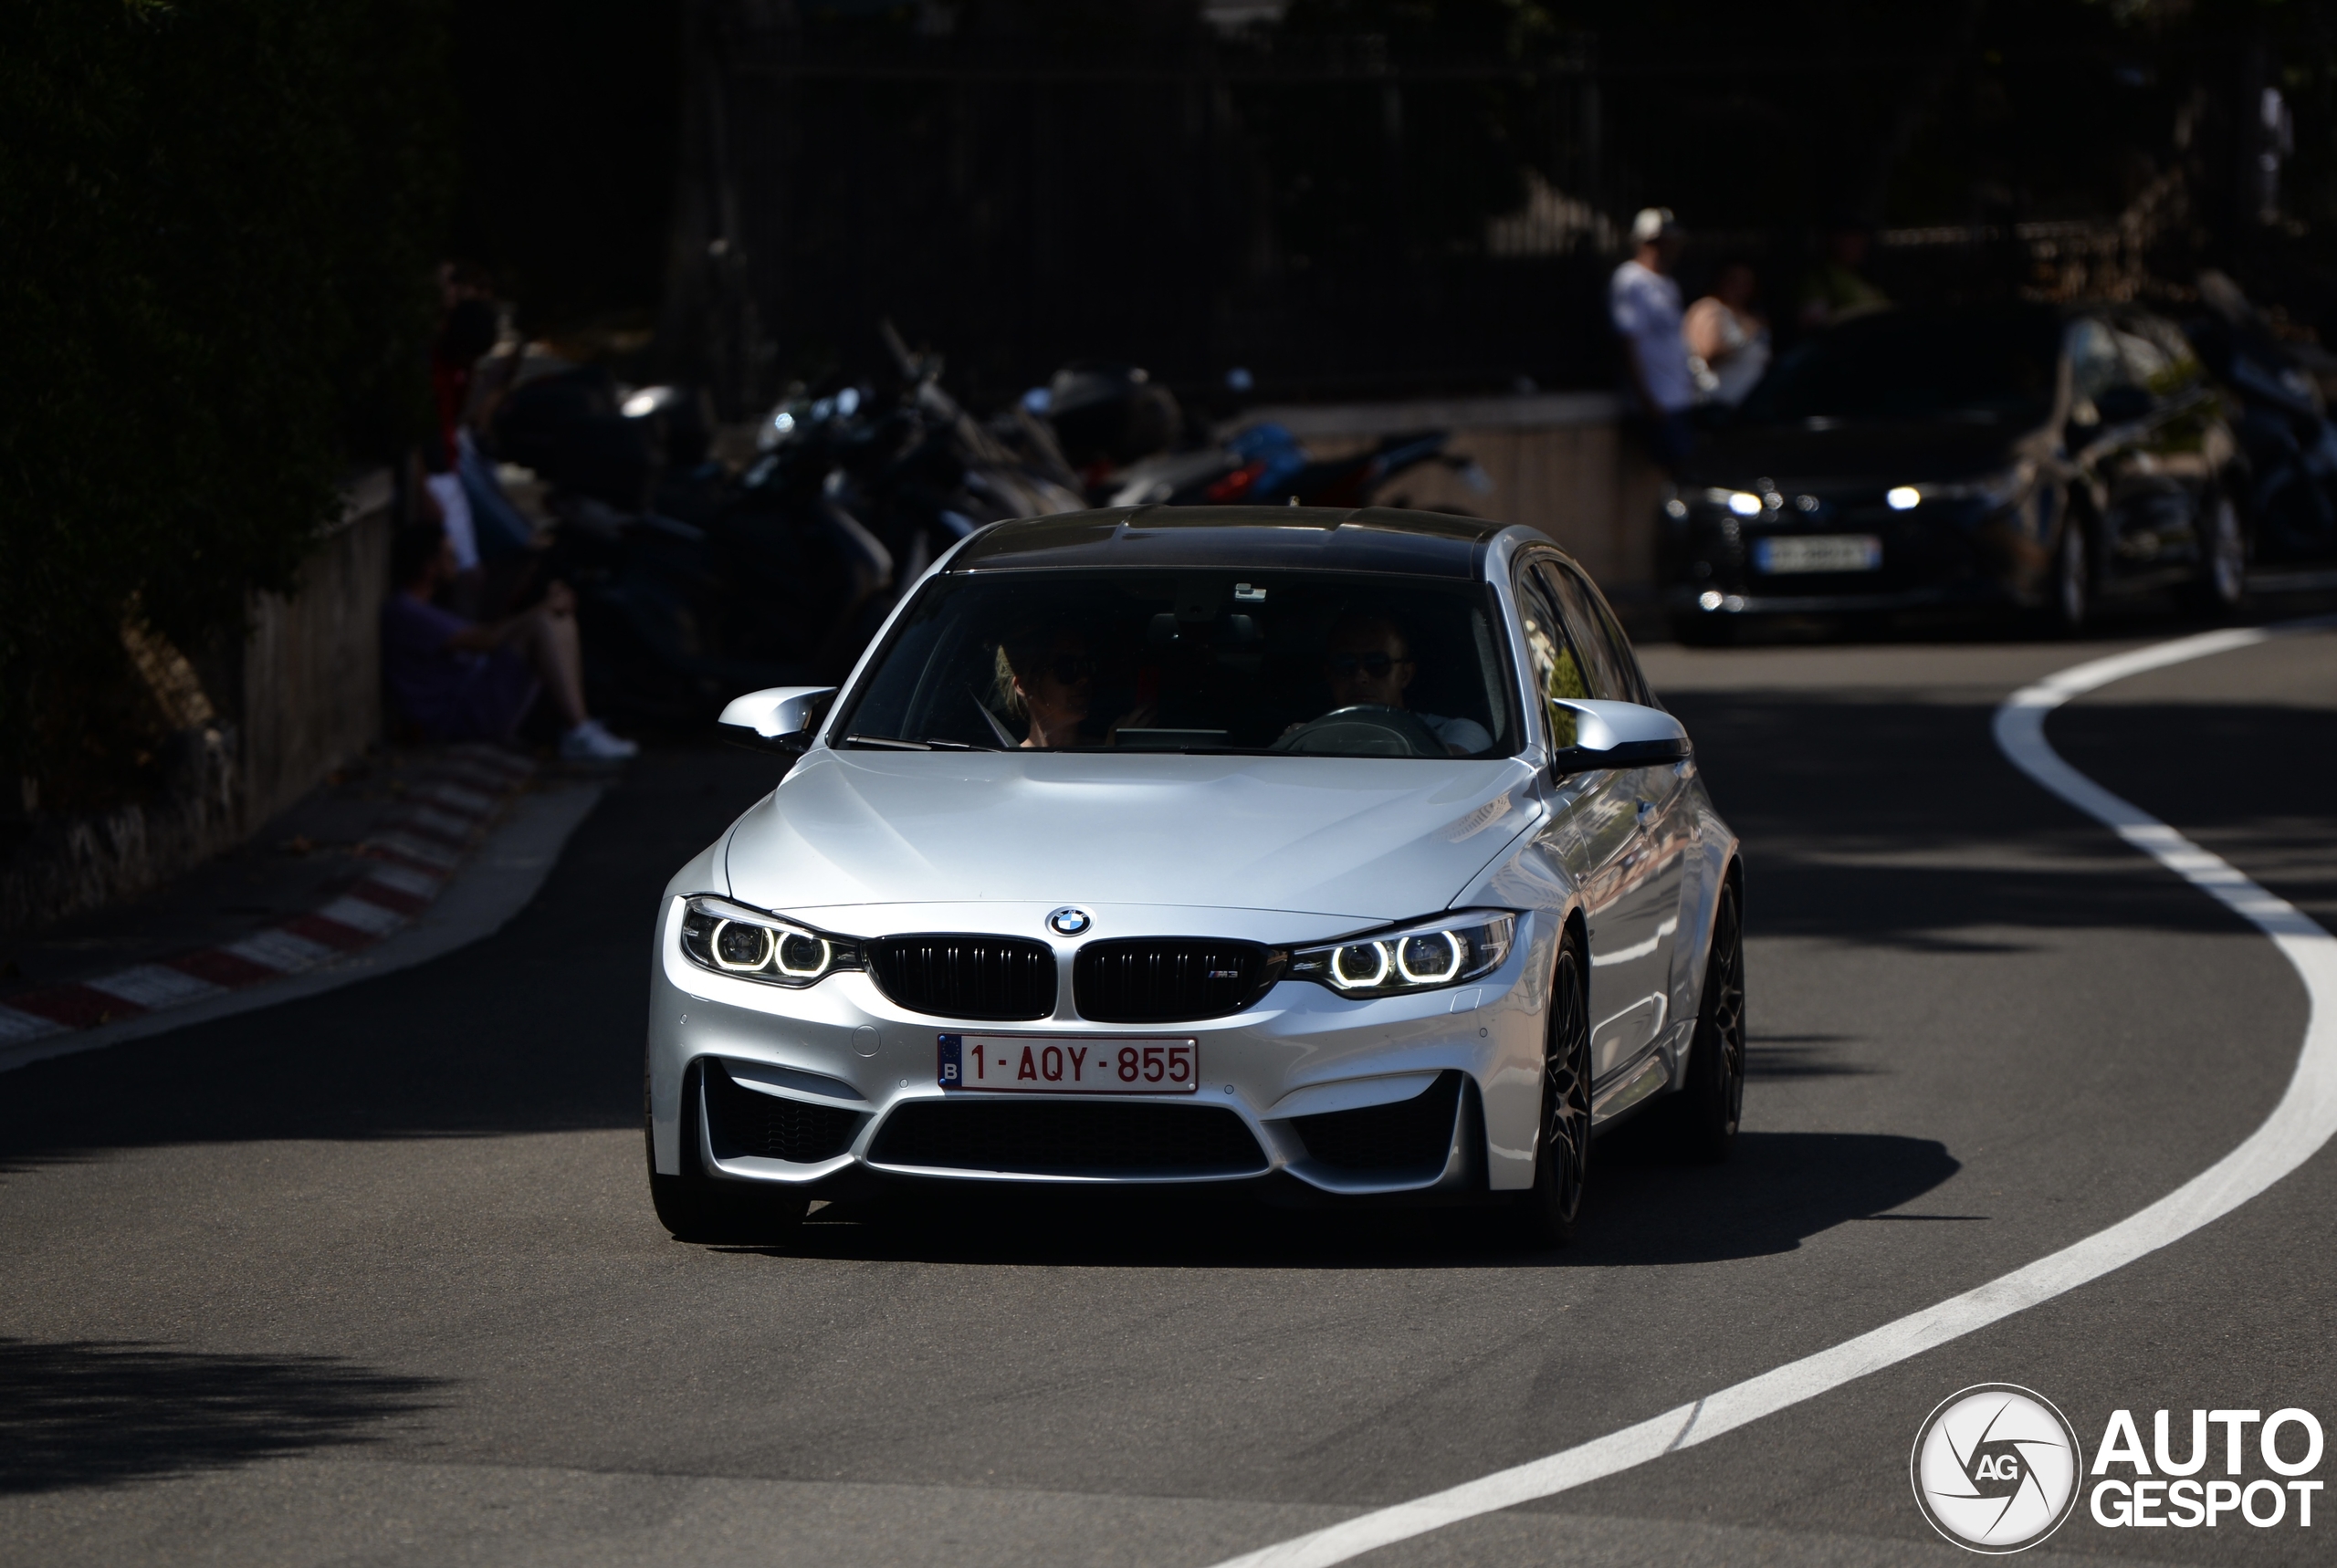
column 1048, row 678
column 1369, row 660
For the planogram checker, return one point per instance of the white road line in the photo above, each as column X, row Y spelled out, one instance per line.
column 2299, row 1126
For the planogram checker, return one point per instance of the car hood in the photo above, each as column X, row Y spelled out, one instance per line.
column 1879, row 454
column 1364, row 838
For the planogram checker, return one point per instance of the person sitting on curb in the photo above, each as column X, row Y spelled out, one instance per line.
column 458, row 680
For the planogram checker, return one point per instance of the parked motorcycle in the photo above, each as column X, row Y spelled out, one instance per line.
column 1266, row 465
column 694, row 584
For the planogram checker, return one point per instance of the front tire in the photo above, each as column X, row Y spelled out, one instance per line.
column 2221, row 587
column 1553, row 1207
column 2073, row 576
column 1710, row 1105
column 693, row 1207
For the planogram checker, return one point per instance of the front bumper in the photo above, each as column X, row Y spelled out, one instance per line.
column 838, row 1064
column 1948, row 555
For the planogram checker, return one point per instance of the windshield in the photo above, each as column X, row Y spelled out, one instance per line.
column 1985, row 367
column 1320, row 663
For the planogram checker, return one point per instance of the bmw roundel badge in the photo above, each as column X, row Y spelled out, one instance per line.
column 1069, row 920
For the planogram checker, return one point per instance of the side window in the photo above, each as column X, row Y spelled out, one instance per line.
column 1550, row 662
column 1598, row 669
column 1615, row 669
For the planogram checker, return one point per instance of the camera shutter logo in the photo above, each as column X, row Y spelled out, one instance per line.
column 1996, row 1467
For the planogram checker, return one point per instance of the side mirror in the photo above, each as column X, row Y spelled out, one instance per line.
column 1618, row 734
column 777, row 718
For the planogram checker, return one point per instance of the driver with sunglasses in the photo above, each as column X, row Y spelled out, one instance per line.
column 1369, row 660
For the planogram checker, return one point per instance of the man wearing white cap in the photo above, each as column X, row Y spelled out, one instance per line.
column 1643, row 302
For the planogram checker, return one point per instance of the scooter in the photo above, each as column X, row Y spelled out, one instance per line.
column 1266, row 465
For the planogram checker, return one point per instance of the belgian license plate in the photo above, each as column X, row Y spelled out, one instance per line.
column 1818, row 552
column 1051, row 1065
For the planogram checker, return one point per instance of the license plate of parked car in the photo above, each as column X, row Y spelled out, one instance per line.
column 1034, row 1064
column 1818, row 552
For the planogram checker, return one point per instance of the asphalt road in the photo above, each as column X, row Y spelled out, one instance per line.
column 372, row 1276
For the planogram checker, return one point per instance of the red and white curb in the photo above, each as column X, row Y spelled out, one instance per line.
column 447, row 811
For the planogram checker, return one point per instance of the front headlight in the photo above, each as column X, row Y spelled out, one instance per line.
column 731, row 939
column 1418, row 956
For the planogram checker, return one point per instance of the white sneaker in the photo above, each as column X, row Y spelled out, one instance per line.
column 589, row 742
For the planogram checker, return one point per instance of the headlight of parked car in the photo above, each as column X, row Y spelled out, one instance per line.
column 731, row 939
column 1420, row 956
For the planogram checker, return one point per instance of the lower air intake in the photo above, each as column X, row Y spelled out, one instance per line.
column 1083, row 1138
column 1409, row 1138
column 741, row 1122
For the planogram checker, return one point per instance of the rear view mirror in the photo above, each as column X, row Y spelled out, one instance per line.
column 1618, row 734
column 777, row 718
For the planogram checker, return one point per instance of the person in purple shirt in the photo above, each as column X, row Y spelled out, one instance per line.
column 456, row 679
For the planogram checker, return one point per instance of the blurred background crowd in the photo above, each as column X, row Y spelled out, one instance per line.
column 703, row 325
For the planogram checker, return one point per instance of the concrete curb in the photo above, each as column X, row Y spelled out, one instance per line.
column 408, row 912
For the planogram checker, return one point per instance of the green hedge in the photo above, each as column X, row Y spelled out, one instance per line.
column 220, row 218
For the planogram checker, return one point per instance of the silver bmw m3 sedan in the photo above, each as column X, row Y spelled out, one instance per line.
column 1206, row 845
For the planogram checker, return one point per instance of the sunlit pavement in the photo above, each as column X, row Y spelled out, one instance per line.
column 373, row 1274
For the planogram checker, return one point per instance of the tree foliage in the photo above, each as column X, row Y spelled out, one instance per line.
column 220, row 219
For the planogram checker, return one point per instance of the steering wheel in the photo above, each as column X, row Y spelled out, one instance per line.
column 1366, row 729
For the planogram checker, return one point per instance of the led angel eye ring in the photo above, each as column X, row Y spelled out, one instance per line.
column 818, row 966
column 1339, row 974
column 1456, row 953
column 714, row 945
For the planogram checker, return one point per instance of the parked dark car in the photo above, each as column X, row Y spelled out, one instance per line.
column 2013, row 457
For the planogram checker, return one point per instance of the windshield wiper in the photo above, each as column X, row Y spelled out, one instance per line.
column 887, row 743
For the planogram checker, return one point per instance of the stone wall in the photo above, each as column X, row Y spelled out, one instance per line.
column 310, row 700
column 1558, row 462
column 312, row 662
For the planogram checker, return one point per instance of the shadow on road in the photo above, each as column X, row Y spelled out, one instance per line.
column 1898, row 824
column 84, row 1414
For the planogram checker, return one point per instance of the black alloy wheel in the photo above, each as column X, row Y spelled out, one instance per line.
column 693, row 1207
column 1562, row 1147
column 1711, row 1103
column 2221, row 586
column 2072, row 603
